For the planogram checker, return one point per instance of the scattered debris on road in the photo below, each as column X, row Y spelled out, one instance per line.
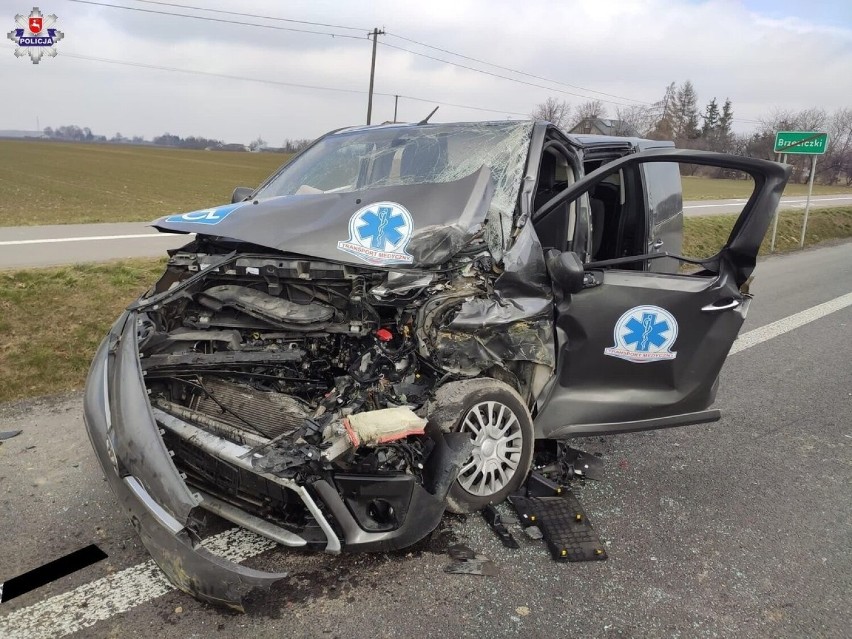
column 492, row 518
column 468, row 562
column 8, row 434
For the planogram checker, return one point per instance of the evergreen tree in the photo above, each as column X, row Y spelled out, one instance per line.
column 726, row 119
column 686, row 113
column 711, row 120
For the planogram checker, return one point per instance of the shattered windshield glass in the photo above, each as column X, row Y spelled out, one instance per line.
column 432, row 153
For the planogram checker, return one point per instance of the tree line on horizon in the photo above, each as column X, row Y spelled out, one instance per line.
column 677, row 117
column 73, row 133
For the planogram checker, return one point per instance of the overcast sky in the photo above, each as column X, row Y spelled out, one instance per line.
column 760, row 53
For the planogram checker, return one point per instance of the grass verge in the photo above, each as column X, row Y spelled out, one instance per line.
column 52, row 319
column 45, row 182
column 704, row 236
column 699, row 188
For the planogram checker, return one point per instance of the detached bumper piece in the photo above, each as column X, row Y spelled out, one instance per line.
column 563, row 522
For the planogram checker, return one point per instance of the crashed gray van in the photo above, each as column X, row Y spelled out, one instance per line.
column 387, row 325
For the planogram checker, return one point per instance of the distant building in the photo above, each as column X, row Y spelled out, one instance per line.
column 22, row 134
column 605, row 126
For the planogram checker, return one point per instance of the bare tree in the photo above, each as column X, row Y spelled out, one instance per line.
column 554, row 111
column 836, row 165
column 664, row 127
column 591, row 110
column 634, row 120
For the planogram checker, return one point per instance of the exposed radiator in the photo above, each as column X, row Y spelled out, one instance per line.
column 272, row 413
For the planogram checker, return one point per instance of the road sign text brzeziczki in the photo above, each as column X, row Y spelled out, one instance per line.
column 801, row 142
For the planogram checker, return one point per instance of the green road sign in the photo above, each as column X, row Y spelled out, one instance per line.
column 801, row 142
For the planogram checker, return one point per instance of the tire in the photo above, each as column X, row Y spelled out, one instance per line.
column 502, row 430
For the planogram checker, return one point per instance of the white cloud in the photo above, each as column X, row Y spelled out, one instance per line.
column 626, row 49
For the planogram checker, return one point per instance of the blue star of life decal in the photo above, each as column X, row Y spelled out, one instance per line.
column 379, row 233
column 382, row 227
column 644, row 334
column 647, row 332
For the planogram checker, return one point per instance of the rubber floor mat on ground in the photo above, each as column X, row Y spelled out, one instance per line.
column 566, row 529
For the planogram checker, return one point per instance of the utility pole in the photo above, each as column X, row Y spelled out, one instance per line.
column 375, row 34
column 395, row 102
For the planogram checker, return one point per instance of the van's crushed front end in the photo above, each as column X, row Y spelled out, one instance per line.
column 296, row 379
column 175, row 457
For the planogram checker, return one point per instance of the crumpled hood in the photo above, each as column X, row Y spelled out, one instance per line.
column 416, row 225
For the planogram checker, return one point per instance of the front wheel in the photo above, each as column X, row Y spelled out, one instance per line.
column 502, row 432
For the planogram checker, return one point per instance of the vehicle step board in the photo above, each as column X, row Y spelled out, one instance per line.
column 563, row 522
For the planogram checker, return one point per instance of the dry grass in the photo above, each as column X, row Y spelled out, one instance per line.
column 66, row 183
column 704, row 236
column 52, row 320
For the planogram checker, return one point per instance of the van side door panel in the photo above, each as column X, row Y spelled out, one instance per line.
column 640, row 350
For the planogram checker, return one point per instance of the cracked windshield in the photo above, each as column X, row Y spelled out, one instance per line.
column 423, row 154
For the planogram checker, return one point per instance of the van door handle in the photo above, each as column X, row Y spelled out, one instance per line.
column 713, row 308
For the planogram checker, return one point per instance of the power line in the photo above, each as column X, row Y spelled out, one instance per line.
column 286, row 84
column 143, row 65
column 495, row 75
column 392, row 46
column 511, row 70
column 220, row 20
column 250, row 15
column 399, row 37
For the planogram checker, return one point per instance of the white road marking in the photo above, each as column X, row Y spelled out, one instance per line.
column 91, row 238
column 783, row 203
column 787, row 324
column 95, row 601
column 709, row 206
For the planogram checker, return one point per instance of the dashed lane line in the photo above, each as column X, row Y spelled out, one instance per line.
column 792, row 322
column 114, row 594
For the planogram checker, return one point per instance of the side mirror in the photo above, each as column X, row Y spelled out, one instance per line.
column 566, row 270
column 241, row 193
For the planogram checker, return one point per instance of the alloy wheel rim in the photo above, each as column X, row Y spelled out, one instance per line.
column 497, row 446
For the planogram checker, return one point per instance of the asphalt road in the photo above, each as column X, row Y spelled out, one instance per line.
column 738, row 528
column 33, row 246
column 727, row 207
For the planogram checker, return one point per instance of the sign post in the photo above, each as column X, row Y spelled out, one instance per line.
column 811, row 143
column 783, row 160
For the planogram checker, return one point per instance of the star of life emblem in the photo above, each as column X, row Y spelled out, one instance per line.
column 35, row 36
column 379, row 233
column 644, row 334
